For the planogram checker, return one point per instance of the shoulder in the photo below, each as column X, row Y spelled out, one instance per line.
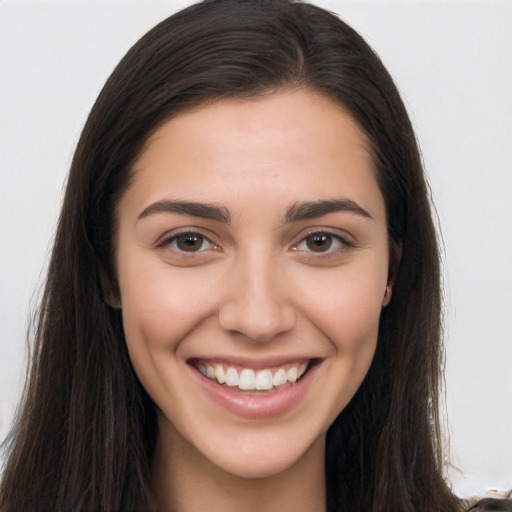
column 499, row 503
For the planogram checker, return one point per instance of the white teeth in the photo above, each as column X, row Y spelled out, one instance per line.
column 280, row 377
column 232, row 377
column 247, row 380
column 264, row 380
column 210, row 372
column 219, row 374
column 292, row 374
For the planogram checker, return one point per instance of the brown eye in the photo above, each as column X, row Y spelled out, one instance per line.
column 190, row 242
column 319, row 242
column 323, row 244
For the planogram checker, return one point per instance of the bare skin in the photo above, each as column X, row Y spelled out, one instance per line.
column 252, row 257
column 299, row 488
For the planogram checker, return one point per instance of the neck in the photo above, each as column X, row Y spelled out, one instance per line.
column 185, row 481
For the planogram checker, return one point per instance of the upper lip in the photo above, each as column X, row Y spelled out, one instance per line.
column 251, row 362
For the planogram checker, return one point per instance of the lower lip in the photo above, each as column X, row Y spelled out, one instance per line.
column 260, row 406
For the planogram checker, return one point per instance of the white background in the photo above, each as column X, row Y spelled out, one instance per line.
column 452, row 61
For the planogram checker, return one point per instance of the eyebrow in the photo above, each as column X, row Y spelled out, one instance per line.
column 313, row 209
column 296, row 212
column 203, row 210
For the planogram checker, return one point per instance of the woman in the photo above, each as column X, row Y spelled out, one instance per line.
column 243, row 302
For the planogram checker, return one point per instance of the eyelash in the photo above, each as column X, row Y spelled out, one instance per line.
column 173, row 242
column 338, row 241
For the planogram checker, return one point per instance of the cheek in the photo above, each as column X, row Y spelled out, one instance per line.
column 348, row 316
column 160, row 307
column 347, row 305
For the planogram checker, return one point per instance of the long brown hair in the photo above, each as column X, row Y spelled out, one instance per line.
column 84, row 438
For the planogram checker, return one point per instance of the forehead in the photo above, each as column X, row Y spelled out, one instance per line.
column 302, row 114
column 297, row 144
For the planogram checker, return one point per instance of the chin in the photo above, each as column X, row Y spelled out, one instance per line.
column 256, row 460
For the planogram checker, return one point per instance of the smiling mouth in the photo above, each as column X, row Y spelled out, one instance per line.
column 253, row 381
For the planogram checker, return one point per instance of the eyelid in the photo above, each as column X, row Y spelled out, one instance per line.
column 165, row 240
column 343, row 238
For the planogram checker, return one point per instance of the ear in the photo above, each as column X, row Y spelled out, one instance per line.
column 110, row 289
column 394, row 262
column 387, row 294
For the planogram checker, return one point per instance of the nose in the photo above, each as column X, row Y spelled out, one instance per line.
column 256, row 303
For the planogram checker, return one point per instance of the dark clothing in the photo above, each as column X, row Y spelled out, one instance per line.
column 492, row 504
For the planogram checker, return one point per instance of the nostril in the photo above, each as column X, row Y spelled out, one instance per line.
column 256, row 302
column 260, row 324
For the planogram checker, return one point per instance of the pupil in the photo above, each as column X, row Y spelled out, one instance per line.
column 189, row 242
column 319, row 242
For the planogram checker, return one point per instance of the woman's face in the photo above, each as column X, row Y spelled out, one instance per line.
column 252, row 258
